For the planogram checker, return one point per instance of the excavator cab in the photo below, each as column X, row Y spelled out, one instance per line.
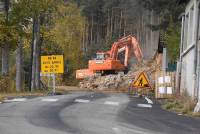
column 100, row 56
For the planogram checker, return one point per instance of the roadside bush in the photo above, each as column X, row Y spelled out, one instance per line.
column 6, row 84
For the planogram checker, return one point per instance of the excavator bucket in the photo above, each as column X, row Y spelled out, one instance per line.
column 84, row 73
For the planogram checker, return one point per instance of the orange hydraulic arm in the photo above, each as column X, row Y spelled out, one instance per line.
column 128, row 44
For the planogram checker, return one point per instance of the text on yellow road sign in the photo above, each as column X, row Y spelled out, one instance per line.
column 52, row 64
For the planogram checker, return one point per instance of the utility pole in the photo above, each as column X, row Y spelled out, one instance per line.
column 163, row 44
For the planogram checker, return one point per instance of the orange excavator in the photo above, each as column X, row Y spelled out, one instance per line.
column 115, row 60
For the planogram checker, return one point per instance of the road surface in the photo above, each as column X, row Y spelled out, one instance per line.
column 91, row 113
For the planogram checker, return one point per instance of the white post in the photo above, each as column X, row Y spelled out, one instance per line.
column 197, row 108
column 164, row 60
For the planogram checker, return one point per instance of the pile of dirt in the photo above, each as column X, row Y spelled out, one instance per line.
column 120, row 81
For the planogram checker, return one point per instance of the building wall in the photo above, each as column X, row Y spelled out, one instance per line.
column 187, row 55
column 187, row 73
column 198, row 56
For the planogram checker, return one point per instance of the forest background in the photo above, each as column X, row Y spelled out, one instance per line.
column 77, row 29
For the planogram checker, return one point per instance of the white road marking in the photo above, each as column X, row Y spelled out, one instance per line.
column 144, row 105
column 111, row 103
column 16, row 100
column 117, row 130
column 82, row 101
column 149, row 100
column 49, row 100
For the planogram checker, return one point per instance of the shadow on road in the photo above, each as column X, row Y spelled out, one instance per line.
column 157, row 119
column 48, row 116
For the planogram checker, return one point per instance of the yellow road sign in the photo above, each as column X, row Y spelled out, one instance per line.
column 52, row 64
column 141, row 81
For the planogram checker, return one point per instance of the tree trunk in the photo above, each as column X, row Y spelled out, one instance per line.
column 87, row 38
column 108, row 27
column 91, row 30
column 111, row 24
column 125, row 23
column 83, row 40
column 35, row 52
column 5, row 59
column 19, row 66
column 120, row 23
column 37, row 73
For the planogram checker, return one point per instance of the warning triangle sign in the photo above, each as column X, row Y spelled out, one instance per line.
column 141, row 81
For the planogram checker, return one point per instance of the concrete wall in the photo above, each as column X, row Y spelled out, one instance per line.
column 188, row 50
column 187, row 73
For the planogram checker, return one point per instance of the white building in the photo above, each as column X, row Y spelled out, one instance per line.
column 190, row 50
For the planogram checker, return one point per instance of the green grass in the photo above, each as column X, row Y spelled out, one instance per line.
column 182, row 105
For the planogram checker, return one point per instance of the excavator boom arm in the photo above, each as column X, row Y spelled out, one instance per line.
column 131, row 47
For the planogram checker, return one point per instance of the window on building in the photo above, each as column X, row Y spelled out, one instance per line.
column 199, row 30
column 191, row 27
column 185, row 32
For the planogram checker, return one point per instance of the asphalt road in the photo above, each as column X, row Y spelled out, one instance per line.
column 90, row 113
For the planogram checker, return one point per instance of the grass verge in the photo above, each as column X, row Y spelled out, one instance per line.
column 182, row 105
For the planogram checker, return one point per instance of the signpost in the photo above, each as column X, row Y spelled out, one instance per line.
column 50, row 66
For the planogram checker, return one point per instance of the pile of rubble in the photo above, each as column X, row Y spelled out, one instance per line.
column 119, row 81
